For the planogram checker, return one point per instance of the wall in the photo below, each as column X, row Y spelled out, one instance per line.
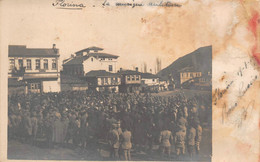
column 184, row 76
column 98, row 64
column 150, row 81
column 132, row 79
column 51, row 86
column 33, row 64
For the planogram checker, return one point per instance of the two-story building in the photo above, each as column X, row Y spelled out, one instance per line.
column 102, row 80
column 188, row 73
column 130, row 81
column 90, row 59
column 38, row 68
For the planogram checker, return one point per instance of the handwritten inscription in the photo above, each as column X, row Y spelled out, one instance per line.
column 63, row 4
column 134, row 4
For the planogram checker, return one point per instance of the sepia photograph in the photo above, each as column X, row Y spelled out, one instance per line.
column 116, row 80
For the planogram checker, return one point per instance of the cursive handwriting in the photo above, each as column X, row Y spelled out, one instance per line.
column 62, row 4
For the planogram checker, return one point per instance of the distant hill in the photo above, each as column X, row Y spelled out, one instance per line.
column 200, row 59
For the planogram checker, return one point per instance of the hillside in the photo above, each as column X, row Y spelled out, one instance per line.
column 200, row 59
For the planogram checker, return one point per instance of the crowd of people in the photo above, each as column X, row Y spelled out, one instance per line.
column 125, row 122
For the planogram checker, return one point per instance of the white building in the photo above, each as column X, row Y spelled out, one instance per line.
column 90, row 59
column 37, row 67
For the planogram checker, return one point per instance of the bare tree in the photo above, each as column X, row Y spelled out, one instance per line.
column 145, row 67
column 158, row 65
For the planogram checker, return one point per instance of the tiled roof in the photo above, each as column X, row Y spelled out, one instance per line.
column 100, row 73
column 128, row 72
column 68, row 79
column 79, row 59
column 91, row 48
column 148, row 75
column 189, row 69
column 22, row 51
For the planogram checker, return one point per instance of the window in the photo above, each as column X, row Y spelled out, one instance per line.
column 11, row 63
column 102, row 81
column 128, row 77
column 20, row 62
column 137, row 77
column 34, row 86
column 133, row 77
column 92, row 59
column 28, row 64
column 54, row 64
column 38, row 64
column 110, row 68
column 45, row 64
column 153, row 80
column 106, row 80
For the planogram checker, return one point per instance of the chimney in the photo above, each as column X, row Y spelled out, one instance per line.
column 121, row 69
column 136, row 69
column 55, row 49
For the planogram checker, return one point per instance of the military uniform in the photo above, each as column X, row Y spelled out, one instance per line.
column 198, row 138
column 180, row 142
column 114, row 143
column 165, row 141
column 191, row 141
column 126, row 144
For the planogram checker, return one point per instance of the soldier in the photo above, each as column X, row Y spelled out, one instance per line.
column 34, row 121
column 84, row 130
column 126, row 143
column 198, row 138
column 180, row 142
column 191, row 141
column 114, row 143
column 165, row 140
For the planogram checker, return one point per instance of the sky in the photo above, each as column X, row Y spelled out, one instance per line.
column 137, row 35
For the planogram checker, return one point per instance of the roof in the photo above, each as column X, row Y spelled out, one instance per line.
column 68, row 79
column 99, row 73
column 189, row 69
column 23, row 51
column 13, row 82
column 91, row 48
column 128, row 72
column 148, row 75
column 79, row 59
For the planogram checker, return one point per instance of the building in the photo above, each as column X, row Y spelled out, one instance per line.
column 90, row 59
column 71, row 83
column 130, row 81
column 37, row 68
column 149, row 82
column 102, row 80
column 203, row 82
column 188, row 73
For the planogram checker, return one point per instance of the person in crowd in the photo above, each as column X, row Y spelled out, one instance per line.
column 191, row 141
column 165, row 140
column 114, row 143
column 87, row 117
column 34, row 122
column 126, row 143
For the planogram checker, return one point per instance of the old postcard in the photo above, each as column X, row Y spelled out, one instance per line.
column 130, row 80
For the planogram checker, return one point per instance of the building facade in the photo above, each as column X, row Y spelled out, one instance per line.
column 38, row 68
column 149, row 82
column 90, row 59
column 130, row 81
column 101, row 80
column 188, row 73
